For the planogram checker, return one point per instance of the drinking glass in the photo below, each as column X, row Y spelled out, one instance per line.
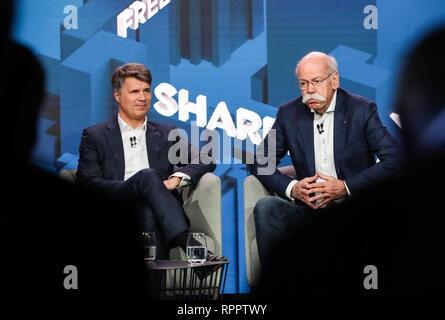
column 149, row 239
column 196, row 248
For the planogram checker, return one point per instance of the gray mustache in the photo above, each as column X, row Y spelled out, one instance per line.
column 315, row 96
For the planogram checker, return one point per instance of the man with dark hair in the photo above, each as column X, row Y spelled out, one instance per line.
column 129, row 157
column 134, row 70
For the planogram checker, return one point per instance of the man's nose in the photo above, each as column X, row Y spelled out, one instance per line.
column 311, row 87
column 142, row 96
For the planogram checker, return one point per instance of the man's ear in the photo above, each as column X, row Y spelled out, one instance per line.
column 117, row 96
column 335, row 80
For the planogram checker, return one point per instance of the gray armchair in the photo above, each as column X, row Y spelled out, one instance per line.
column 254, row 191
column 202, row 204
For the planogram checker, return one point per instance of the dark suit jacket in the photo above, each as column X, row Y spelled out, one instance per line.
column 359, row 135
column 101, row 155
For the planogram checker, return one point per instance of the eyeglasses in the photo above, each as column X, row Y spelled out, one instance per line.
column 316, row 83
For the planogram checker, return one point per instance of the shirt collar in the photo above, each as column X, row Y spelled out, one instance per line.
column 126, row 127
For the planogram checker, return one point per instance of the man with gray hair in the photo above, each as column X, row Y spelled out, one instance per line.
column 333, row 137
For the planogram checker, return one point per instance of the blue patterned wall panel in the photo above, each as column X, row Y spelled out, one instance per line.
column 295, row 28
column 93, row 16
column 212, row 29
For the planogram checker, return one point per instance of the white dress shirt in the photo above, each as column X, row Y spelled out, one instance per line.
column 323, row 146
column 135, row 151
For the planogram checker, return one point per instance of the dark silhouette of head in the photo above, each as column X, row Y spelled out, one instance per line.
column 21, row 94
column 420, row 100
column 7, row 12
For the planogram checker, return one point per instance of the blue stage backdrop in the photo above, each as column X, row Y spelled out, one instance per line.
column 210, row 58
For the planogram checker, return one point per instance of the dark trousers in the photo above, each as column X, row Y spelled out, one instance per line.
column 278, row 220
column 322, row 253
column 162, row 212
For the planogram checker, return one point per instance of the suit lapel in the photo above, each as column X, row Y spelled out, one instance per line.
column 115, row 141
column 340, row 128
column 306, row 125
column 153, row 140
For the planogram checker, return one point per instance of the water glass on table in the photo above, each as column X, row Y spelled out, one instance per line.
column 149, row 239
column 196, row 248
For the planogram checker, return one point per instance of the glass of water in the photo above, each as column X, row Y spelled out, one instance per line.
column 196, row 248
column 149, row 239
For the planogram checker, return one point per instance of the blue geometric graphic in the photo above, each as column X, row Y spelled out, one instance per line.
column 212, row 30
column 294, row 28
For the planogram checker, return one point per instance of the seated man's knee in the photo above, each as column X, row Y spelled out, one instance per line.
column 264, row 208
column 149, row 174
column 148, row 171
column 146, row 177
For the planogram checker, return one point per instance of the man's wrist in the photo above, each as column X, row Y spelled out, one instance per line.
column 346, row 187
column 289, row 189
column 184, row 179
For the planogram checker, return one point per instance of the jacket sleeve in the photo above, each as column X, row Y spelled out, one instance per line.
column 90, row 172
column 195, row 163
column 267, row 157
column 384, row 146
